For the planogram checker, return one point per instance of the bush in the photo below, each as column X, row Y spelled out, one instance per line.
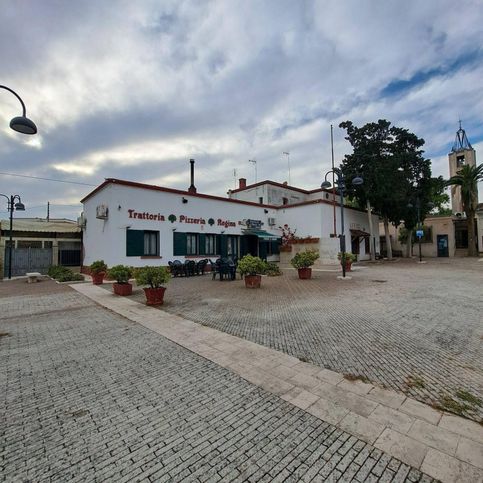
column 98, row 266
column 152, row 276
column 250, row 265
column 120, row 273
column 349, row 257
column 305, row 259
column 69, row 276
column 272, row 269
column 55, row 271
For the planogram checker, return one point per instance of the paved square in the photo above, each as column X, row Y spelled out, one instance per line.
column 414, row 328
column 89, row 395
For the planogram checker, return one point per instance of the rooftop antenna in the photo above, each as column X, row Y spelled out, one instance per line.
column 234, row 177
column 254, row 161
column 288, row 164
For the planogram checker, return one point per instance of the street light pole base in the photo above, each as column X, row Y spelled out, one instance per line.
column 340, row 277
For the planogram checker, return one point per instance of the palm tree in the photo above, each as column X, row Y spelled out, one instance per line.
column 467, row 179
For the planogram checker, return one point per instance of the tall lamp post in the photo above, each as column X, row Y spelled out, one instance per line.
column 19, row 206
column 21, row 123
column 419, row 231
column 341, row 187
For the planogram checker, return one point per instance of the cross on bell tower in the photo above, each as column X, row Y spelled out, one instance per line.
column 461, row 153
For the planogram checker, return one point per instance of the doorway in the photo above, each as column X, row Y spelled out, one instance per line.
column 443, row 246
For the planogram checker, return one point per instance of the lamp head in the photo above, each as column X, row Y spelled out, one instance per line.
column 357, row 181
column 23, row 125
column 19, row 206
column 326, row 184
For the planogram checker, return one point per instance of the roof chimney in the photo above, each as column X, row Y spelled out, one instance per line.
column 192, row 188
column 242, row 183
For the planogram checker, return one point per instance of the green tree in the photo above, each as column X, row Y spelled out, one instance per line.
column 466, row 180
column 391, row 161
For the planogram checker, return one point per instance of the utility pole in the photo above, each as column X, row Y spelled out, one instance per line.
column 234, row 177
column 288, row 164
column 254, row 162
column 48, row 210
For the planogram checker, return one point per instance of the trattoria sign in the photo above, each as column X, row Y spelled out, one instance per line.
column 145, row 215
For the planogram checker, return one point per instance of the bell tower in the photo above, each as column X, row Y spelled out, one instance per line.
column 461, row 153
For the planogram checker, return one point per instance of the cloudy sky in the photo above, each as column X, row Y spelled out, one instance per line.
column 132, row 90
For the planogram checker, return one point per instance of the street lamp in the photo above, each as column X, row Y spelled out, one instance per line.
column 19, row 206
column 341, row 186
column 419, row 231
column 21, row 123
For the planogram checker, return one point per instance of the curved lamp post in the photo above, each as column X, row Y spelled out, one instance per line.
column 19, row 206
column 21, row 123
column 341, row 186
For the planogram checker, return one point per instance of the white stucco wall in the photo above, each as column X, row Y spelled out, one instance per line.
column 106, row 239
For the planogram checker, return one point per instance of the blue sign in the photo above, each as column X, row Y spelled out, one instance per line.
column 420, row 233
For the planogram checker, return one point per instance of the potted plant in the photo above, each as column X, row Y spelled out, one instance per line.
column 155, row 277
column 349, row 258
column 302, row 261
column 98, row 270
column 121, row 274
column 251, row 267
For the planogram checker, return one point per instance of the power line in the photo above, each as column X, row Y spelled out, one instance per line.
column 47, row 179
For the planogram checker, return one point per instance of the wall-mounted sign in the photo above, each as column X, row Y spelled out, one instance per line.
column 145, row 215
column 254, row 224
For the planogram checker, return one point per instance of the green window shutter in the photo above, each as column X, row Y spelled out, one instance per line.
column 179, row 243
column 201, row 244
column 134, row 243
column 222, row 245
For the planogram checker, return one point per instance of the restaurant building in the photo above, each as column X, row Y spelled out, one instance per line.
column 137, row 224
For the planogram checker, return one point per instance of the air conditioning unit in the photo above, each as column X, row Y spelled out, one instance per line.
column 271, row 221
column 81, row 221
column 102, row 212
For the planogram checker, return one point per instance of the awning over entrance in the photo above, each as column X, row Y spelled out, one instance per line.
column 264, row 235
column 360, row 233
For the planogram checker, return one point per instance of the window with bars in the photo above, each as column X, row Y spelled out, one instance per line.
column 210, row 244
column 191, row 244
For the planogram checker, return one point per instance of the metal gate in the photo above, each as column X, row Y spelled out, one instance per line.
column 28, row 260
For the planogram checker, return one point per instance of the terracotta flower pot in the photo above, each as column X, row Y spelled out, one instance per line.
column 122, row 288
column 154, row 296
column 348, row 265
column 98, row 278
column 305, row 273
column 253, row 281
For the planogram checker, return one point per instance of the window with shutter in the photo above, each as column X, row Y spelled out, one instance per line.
column 179, row 244
column 134, row 243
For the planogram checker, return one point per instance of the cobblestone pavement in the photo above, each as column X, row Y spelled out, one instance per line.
column 410, row 327
column 89, row 395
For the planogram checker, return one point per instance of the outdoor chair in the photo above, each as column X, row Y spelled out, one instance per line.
column 200, row 267
column 176, row 268
column 189, row 268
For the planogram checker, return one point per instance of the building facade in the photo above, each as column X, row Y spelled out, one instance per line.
column 38, row 243
column 138, row 224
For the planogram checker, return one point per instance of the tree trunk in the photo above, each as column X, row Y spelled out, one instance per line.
column 472, row 252
column 372, row 247
column 409, row 244
column 388, row 238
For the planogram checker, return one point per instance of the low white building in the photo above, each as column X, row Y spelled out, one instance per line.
column 138, row 224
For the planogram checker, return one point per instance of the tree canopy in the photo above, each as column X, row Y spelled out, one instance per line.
column 397, row 176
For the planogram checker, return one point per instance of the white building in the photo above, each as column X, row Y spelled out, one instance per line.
column 138, row 224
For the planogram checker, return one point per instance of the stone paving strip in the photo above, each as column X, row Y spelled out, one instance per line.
column 444, row 446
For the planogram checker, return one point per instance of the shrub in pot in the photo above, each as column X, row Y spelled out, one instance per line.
column 272, row 269
column 349, row 258
column 155, row 277
column 121, row 274
column 302, row 261
column 98, row 271
column 250, row 268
